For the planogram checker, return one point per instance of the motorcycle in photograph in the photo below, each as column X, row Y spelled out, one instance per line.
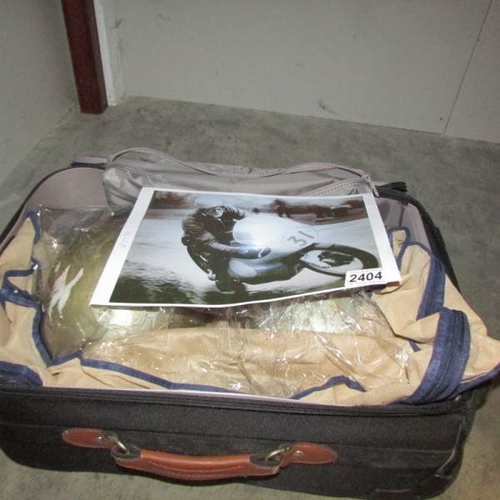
column 284, row 248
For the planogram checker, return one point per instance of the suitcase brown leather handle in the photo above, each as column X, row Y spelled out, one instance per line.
column 200, row 468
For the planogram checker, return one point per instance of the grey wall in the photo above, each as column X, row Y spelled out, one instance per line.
column 477, row 111
column 429, row 65
column 36, row 80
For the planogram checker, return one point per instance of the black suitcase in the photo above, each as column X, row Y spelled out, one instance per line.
column 378, row 452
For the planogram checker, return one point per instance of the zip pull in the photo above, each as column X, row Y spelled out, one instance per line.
column 371, row 184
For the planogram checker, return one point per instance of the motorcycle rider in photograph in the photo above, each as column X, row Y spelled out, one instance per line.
column 208, row 237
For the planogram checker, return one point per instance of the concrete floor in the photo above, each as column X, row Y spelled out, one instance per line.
column 457, row 180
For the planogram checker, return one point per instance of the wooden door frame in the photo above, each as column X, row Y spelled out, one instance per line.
column 81, row 29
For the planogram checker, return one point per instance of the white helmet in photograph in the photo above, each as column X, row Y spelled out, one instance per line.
column 206, row 202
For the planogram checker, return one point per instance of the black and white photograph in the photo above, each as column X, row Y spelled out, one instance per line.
column 208, row 249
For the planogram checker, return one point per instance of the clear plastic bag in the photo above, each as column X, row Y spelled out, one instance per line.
column 73, row 248
column 278, row 349
column 348, row 337
column 284, row 349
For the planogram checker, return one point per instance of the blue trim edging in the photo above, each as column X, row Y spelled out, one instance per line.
column 341, row 379
column 15, row 374
column 448, row 361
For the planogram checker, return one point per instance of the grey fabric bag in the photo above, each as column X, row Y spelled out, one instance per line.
column 129, row 170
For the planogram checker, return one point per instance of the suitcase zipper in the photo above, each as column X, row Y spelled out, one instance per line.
column 167, row 399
